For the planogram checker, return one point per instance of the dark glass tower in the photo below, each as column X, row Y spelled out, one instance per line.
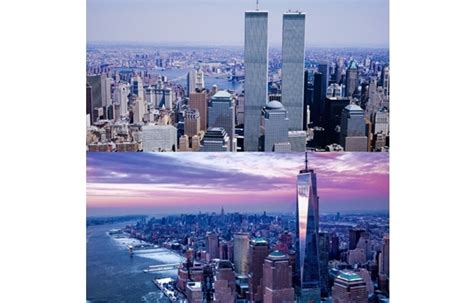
column 307, row 280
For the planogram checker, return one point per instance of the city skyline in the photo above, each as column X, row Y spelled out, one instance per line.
column 361, row 23
column 152, row 183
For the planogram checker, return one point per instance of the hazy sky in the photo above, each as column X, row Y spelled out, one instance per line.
column 329, row 23
column 152, row 183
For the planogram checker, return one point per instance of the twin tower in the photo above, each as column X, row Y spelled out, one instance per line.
column 256, row 71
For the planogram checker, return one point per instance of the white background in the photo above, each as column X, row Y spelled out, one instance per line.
column 43, row 157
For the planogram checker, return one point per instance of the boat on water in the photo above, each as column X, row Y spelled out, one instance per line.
column 166, row 285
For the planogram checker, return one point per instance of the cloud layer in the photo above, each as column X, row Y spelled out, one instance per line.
column 192, row 182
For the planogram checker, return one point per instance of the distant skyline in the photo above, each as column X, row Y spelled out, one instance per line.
column 165, row 183
column 329, row 23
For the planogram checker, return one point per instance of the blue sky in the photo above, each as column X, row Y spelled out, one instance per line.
column 329, row 23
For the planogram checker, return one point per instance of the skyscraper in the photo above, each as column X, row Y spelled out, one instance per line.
column 308, row 97
column 353, row 130
column 224, row 282
column 96, row 92
column 159, row 138
column 215, row 140
column 212, row 245
column 198, row 100
column 274, row 125
column 222, row 114
column 256, row 74
column 384, row 264
column 277, row 274
column 307, row 245
column 89, row 102
column 241, row 253
column 352, row 79
column 323, row 261
column 121, row 92
column 191, row 122
column 323, row 68
column 292, row 71
column 137, row 87
column 349, row 287
column 258, row 253
column 354, row 236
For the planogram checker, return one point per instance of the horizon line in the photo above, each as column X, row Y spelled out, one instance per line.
column 214, row 45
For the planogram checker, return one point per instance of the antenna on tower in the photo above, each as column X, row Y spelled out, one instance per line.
column 257, row 5
column 306, row 161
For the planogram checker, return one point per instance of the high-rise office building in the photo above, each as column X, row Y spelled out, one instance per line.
column 386, row 81
column 121, row 92
column 212, row 244
column 323, row 68
column 164, row 98
column 191, row 81
column 317, row 104
column 292, row 71
column 241, row 253
column 224, row 282
column 380, row 120
column 195, row 81
column 89, row 104
column 274, row 126
column 352, row 79
column 349, row 287
column 107, row 100
column 215, row 140
column 258, row 253
column 96, row 92
column 256, row 75
column 198, row 100
column 384, row 264
column 139, row 110
column 308, row 98
column 277, row 279
column 307, row 280
column 334, row 249
column 191, row 122
column 297, row 139
column 159, row 138
column 354, row 236
column 323, row 261
column 353, row 130
column 222, row 113
column 137, row 87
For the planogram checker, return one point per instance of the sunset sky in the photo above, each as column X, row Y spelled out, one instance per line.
column 163, row 183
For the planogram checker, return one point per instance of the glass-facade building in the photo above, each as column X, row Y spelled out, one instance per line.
column 307, row 279
column 292, row 71
column 256, row 75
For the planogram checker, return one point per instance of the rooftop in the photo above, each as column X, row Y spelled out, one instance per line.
column 222, row 94
column 274, row 105
column 349, row 276
column 259, row 242
column 277, row 254
column 352, row 107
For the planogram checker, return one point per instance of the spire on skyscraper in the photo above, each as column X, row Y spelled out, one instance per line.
column 306, row 161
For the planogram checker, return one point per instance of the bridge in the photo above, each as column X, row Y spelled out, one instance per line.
column 162, row 267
